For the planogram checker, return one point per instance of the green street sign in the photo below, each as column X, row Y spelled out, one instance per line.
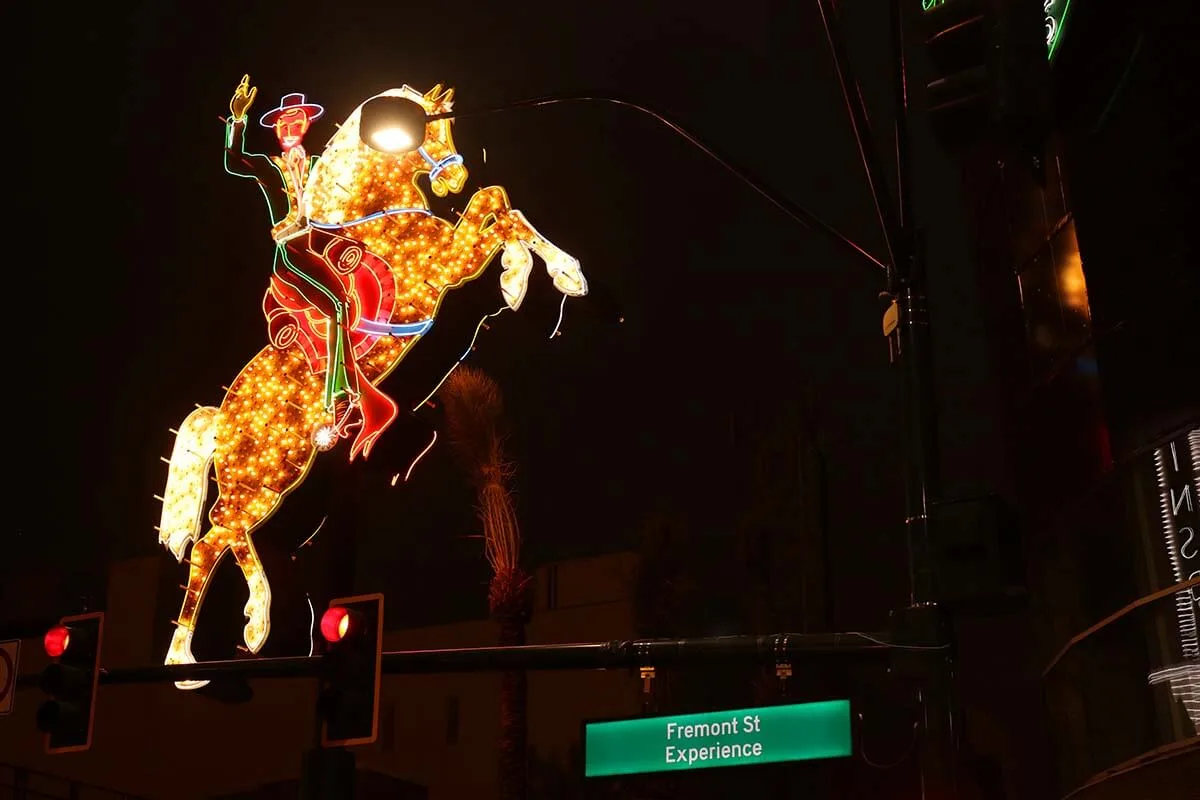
column 797, row 732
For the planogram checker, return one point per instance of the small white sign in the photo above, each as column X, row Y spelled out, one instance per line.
column 10, row 657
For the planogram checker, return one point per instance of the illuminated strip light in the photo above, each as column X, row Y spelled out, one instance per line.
column 1194, row 449
column 439, row 166
column 471, row 346
column 1056, row 19
column 449, row 372
column 394, row 328
column 1185, row 606
column 1186, row 687
column 562, row 307
column 420, row 455
column 311, row 536
column 1051, row 24
column 390, row 212
column 461, row 358
column 312, row 623
column 1184, row 680
column 416, row 461
column 429, row 396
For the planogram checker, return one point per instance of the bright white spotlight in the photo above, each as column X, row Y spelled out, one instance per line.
column 392, row 140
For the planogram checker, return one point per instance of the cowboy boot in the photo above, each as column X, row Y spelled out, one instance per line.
column 377, row 411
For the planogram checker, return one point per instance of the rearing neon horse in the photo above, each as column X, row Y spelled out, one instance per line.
column 371, row 221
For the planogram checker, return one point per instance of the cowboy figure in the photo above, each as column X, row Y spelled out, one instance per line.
column 299, row 263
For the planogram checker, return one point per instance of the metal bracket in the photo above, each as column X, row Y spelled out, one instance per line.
column 647, row 676
column 891, row 323
column 783, row 667
column 783, row 671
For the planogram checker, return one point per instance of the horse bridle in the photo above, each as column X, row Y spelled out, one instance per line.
column 437, row 166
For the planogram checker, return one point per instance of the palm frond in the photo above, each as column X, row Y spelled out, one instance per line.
column 474, row 409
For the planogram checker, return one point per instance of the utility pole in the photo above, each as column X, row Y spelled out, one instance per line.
column 912, row 345
column 922, row 623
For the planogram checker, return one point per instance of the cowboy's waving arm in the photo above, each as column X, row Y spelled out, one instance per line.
column 243, row 97
column 237, row 160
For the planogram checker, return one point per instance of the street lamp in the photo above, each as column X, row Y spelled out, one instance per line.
column 395, row 125
column 392, row 124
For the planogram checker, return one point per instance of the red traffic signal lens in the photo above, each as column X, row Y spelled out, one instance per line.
column 336, row 624
column 56, row 641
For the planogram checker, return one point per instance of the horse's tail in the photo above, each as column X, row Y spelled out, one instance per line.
column 187, row 480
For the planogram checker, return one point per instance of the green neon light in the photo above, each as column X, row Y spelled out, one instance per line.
column 1056, row 20
column 1056, row 12
column 798, row 732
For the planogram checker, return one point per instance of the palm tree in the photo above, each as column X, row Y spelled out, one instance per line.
column 474, row 412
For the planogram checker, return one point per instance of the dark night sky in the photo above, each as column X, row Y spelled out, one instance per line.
column 157, row 260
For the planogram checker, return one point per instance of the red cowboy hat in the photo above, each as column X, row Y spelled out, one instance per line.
column 291, row 102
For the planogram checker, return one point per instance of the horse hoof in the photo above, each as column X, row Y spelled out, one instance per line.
column 567, row 277
column 186, row 685
column 254, row 634
column 180, row 652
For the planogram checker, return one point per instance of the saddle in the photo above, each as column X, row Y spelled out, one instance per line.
column 369, row 284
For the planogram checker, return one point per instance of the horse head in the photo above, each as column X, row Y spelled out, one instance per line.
column 447, row 174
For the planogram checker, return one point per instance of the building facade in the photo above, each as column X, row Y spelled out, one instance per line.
column 1091, row 278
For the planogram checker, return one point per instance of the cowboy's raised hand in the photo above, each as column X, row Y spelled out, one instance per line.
column 243, row 96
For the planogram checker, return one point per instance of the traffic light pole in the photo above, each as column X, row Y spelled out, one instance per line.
column 614, row 654
column 907, row 325
column 328, row 773
column 938, row 746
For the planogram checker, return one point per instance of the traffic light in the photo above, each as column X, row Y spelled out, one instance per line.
column 349, row 702
column 990, row 71
column 71, row 681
